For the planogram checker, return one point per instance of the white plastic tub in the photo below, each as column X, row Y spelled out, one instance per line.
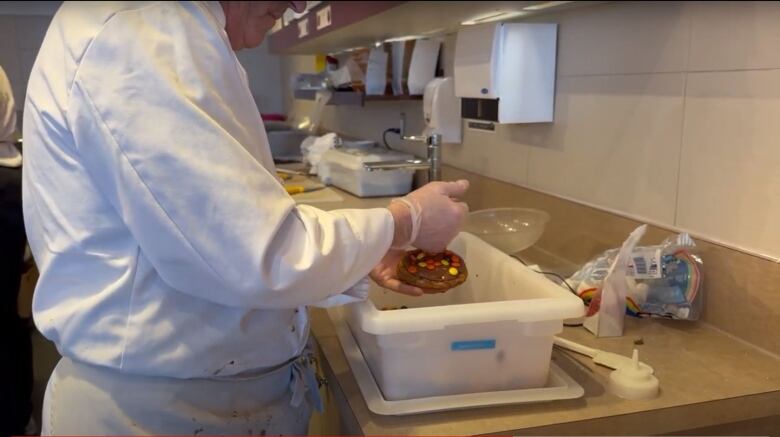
column 343, row 168
column 494, row 332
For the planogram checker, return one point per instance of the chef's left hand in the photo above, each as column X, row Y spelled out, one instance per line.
column 385, row 274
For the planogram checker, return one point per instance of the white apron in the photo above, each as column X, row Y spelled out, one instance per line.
column 82, row 399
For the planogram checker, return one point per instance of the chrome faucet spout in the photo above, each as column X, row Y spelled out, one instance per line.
column 432, row 163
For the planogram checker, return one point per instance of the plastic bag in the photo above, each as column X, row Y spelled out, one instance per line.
column 661, row 281
column 312, row 149
column 605, row 315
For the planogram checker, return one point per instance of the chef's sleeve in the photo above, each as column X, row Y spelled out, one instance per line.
column 152, row 110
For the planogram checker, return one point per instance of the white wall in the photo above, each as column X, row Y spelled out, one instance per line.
column 264, row 72
column 666, row 111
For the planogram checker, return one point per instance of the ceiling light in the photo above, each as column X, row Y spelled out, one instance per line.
column 434, row 31
column 493, row 16
column 545, row 5
column 403, row 38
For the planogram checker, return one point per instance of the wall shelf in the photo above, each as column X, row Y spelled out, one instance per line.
column 361, row 24
column 353, row 98
column 302, row 36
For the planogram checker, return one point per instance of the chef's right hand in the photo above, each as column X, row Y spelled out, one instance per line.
column 431, row 216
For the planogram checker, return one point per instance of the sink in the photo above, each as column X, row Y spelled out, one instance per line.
column 286, row 144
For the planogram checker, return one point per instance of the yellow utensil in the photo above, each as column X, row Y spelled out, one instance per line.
column 297, row 189
column 284, row 176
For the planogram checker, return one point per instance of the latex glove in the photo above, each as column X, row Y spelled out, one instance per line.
column 386, row 276
column 432, row 217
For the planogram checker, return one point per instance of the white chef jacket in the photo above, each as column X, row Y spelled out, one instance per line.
column 9, row 156
column 166, row 245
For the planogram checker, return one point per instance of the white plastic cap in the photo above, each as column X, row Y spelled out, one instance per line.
column 633, row 382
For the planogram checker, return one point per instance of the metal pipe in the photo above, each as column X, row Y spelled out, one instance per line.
column 434, row 157
column 411, row 164
column 432, row 164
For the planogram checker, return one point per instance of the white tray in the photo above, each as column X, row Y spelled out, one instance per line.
column 559, row 385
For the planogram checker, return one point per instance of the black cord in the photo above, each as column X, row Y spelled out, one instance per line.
column 384, row 136
column 559, row 277
column 552, row 274
column 547, row 273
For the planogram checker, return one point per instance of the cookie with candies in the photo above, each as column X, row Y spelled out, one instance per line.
column 439, row 271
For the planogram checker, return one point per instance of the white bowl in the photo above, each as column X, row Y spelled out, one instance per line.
column 508, row 229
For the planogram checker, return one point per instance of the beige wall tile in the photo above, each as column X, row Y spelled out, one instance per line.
column 734, row 35
column 492, row 153
column 623, row 37
column 730, row 166
column 615, row 143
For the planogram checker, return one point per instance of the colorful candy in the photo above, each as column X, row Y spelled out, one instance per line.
column 412, row 269
column 422, row 264
column 453, row 271
column 444, row 262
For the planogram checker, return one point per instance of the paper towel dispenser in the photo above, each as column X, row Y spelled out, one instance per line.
column 505, row 72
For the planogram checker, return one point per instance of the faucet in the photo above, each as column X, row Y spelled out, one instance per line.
column 432, row 163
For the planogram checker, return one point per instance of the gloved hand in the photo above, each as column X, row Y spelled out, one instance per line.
column 429, row 217
column 385, row 274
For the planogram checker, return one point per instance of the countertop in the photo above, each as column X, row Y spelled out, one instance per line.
column 707, row 378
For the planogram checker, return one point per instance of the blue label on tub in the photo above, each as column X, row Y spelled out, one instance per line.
column 470, row 345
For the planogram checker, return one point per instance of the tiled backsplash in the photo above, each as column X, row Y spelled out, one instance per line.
column 665, row 111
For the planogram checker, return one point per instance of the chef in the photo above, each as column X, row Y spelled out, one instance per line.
column 175, row 269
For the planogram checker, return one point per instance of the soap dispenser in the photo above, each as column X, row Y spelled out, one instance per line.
column 441, row 110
